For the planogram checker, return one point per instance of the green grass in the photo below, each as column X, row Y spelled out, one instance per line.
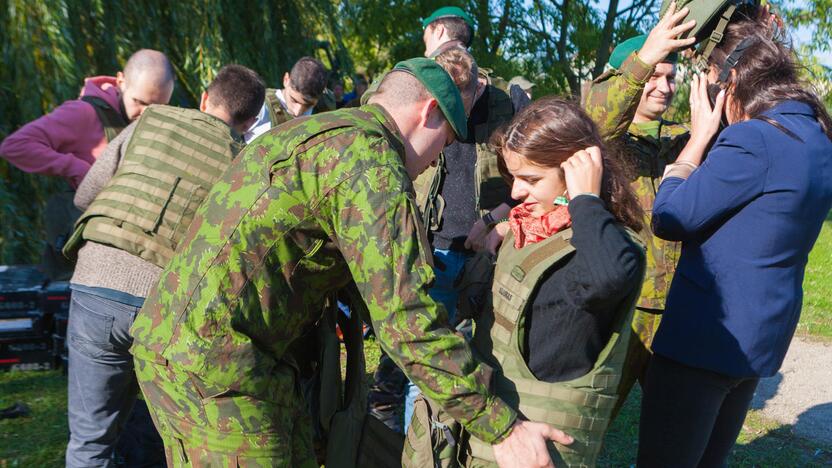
column 816, row 317
column 40, row 439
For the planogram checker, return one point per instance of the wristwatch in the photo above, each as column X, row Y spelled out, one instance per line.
column 489, row 220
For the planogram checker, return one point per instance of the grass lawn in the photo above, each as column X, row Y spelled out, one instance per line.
column 39, row 440
column 816, row 317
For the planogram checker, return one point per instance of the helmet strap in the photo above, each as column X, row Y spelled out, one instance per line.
column 713, row 40
column 733, row 58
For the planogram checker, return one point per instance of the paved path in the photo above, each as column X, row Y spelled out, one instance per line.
column 801, row 393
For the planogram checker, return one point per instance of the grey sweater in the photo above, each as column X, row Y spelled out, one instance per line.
column 100, row 265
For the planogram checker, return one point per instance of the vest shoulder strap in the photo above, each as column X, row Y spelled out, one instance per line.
column 277, row 114
column 111, row 119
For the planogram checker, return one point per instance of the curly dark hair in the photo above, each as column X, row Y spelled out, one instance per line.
column 549, row 131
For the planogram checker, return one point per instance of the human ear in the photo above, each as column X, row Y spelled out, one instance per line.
column 121, row 81
column 204, row 102
column 428, row 113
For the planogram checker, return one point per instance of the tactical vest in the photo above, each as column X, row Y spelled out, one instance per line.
column 490, row 189
column 172, row 159
column 277, row 114
column 111, row 119
column 580, row 407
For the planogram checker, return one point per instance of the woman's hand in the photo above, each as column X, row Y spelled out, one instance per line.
column 704, row 122
column 583, row 172
column 704, row 119
column 480, row 236
column 494, row 239
column 662, row 39
column 476, row 236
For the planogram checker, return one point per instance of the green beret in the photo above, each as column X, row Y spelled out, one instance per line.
column 449, row 12
column 442, row 87
column 633, row 44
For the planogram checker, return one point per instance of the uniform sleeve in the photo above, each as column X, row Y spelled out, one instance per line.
column 38, row 147
column 613, row 97
column 103, row 169
column 375, row 222
column 733, row 174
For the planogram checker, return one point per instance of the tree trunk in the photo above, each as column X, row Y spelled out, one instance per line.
column 602, row 54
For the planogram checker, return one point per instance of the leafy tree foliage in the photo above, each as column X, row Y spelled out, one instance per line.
column 49, row 46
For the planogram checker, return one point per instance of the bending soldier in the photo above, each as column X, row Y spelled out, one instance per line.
column 139, row 198
column 305, row 209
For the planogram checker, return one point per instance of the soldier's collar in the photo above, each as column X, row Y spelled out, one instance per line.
column 394, row 135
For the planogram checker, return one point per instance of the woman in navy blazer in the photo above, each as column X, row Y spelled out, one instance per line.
column 747, row 216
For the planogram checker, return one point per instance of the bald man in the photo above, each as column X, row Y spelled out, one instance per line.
column 68, row 140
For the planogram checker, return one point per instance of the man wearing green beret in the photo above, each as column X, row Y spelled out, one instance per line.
column 447, row 25
column 644, row 67
column 303, row 210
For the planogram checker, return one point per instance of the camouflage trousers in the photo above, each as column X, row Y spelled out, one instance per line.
column 645, row 324
column 226, row 430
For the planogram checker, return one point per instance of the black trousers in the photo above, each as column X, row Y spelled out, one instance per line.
column 690, row 417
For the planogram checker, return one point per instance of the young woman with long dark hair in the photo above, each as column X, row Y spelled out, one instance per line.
column 747, row 213
column 566, row 279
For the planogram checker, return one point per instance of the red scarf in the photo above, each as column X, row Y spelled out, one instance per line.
column 529, row 229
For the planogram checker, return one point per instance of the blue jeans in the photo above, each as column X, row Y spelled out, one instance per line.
column 442, row 291
column 102, row 387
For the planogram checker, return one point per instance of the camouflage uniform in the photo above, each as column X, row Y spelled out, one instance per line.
column 650, row 147
column 302, row 211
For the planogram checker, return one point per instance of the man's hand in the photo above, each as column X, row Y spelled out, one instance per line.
column 662, row 40
column 525, row 446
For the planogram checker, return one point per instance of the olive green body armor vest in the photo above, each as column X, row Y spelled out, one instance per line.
column 111, row 119
column 490, row 189
column 580, row 407
column 277, row 114
column 172, row 159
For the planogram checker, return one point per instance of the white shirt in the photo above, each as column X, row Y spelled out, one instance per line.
column 264, row 122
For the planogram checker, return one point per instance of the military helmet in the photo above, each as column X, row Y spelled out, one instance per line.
column 712, row 17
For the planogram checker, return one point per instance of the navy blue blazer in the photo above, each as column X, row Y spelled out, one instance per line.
column 747, row 219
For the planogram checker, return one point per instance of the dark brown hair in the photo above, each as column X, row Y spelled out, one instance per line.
column 308, row 77
column 238, row 89
column 457, row 29
column 767, row 73
column 549, row 131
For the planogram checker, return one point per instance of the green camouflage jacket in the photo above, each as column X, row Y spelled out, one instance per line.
column 612, row 98
column 300, row 212
column 651, row 146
